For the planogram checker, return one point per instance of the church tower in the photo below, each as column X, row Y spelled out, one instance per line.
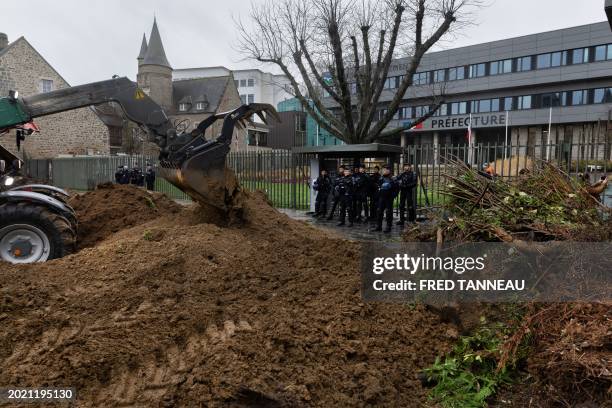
column 154, row 70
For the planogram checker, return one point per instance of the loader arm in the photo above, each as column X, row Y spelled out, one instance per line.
column 189, row 161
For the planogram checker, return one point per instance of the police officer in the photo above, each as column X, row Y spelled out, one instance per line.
column 119, row 174
column 346, row 190
column 387, row 191
column 323, row 186
column 150, row 177
column 407, row 182
column 335, row 194
column 373, row 191
column 360, row 182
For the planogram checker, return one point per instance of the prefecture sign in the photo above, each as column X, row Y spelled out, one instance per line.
column 462, row 122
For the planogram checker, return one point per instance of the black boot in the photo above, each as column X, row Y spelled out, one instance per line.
column 377, row 229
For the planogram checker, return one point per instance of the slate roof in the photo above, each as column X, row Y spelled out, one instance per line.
column 155, row 51
column 143, row 48
column 209, row 90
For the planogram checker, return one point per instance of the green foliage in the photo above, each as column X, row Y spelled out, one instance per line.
column 468, row 376
column 147, row 235
column 150, row 202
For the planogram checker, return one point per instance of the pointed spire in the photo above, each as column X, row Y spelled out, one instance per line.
column 143, row 48
column 155, row 54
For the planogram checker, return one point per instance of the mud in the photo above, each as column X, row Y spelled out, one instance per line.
column 179, row 311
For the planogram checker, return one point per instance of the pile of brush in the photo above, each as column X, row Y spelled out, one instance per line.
column 543, row 203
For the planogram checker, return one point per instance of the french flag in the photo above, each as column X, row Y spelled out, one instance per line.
column 469, row 131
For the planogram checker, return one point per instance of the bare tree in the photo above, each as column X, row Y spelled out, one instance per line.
column 337, row 55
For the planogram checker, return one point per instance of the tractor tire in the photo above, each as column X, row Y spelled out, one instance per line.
column 33, row 233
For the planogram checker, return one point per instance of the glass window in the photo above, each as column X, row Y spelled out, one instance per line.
column 243, row 82
column 600, row 53
column 390, row 83
column 420, row 111
column 523, row 64
column 243, row 99
column 442, row 110
column 579, row 97
column 508, row 103
column 495, row 105
column 456, row 73
column 46, row 85
column 251, row 98
column 200, row 106
column 602, row 95
column 580, row 55
column 551, row 100
column 477, row 70
column 609, row 51
column 507, row 66
column 485, row 105
column 251, row 82
column 558, row 58
column 237, row 83
column 405, row 112
column 439, row 75
column 420, row 78
column 494, row 68
column 524, row 102
column 182, row 107
column 543, row 61
column 563, row 98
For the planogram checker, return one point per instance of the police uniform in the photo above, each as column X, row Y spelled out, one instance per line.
column 373, row 180
column 387, row 191
column 346, row 190
column 360, row 182
column 407, row 182
column 150, row 178
column 335, row 195
column 323, row 187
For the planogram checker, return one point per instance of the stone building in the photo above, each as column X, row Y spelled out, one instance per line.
column 77, row 132
column 186, row 101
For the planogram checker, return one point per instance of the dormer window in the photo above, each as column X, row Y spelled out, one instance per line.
column 183, row 107
column 200, row 106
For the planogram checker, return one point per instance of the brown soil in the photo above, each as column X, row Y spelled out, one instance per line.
column 181, row 312
column 112, row 207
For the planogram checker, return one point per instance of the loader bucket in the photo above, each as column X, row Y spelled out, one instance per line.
column 204, row 177
column 200, row 169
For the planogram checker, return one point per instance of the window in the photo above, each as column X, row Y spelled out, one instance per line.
column 524, row 102
column 46, row 85
column 602, row 95
column 390, row 83
column 251, row 82
column 456, row 73
column 420, row 78
column 183, row 107
column 579, row 97
column 551, row 100
column 405, row 112
column 580, row 55
column 495, row 105
column 523, row 64
column 200, row 106
column 243, row 83
column 543, row 61
column 477, row 70
column 440, row 75
column 251, row 98
column 442, row 110
column 458, row 108
column 484, row 105
column 243, row 99
column 558, row 59
column 600, row 53
column 610, row 51
column 420, row 111
column 508, row 103
column 237, row 83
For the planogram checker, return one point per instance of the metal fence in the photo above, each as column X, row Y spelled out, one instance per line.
column 285, row 176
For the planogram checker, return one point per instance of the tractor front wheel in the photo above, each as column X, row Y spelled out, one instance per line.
column 32, row 233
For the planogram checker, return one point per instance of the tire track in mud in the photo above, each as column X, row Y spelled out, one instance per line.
column 147, row 385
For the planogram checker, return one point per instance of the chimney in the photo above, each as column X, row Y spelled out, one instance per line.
column 3, row 41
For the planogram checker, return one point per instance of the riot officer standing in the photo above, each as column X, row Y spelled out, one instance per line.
column 323, row 186
column 346, row 190
column 407, row 182
column 373, row 191
column 150, row 177
column 335, row 194
column 360, row 181
column 387, row 192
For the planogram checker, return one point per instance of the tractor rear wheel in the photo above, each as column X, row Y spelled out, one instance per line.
column 32, row 233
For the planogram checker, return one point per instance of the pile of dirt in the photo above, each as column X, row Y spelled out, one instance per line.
column 113, row 207
column 179, row 311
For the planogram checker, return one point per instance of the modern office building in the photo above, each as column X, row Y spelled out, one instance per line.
column 309, row 131
column 548, row 87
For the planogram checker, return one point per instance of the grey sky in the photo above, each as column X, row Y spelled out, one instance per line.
column 90, row 40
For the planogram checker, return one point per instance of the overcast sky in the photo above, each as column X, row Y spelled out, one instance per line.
column 90, row 40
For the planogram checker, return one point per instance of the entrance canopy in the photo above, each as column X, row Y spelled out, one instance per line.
column 353, row 151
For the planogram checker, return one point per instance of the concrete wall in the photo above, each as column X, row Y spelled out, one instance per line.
column 75, row 132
